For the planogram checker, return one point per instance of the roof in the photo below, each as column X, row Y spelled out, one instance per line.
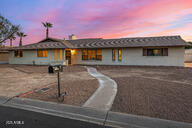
column 50, row 43
column 162, row 41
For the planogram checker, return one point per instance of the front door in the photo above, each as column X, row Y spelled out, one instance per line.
column 68, row 56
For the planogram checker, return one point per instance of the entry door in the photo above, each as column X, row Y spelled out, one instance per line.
column 68, row 56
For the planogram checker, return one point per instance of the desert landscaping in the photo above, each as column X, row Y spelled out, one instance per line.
column 34, row 82
column 160, row 92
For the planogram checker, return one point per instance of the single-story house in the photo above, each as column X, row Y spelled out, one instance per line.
column 154, row 51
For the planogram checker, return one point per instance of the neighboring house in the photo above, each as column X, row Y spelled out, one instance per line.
column 154, row 51
column 4, row 56
column 188, row 56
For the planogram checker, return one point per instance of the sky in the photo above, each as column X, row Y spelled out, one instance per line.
column 99, row 18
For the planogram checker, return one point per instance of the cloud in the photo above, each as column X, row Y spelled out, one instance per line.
column 108, row 18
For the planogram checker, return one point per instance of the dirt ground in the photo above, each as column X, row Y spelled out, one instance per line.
column 27, row 82
column 161, row 92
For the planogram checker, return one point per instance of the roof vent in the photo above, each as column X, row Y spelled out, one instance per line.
column 72, row 37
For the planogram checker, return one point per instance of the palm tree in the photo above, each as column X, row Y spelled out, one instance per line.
column 47, row 25
column 11, row 38
column 21, row 35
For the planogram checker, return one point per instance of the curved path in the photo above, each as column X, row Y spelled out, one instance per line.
column 104, row 96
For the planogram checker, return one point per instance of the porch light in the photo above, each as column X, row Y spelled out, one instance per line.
column 73, row 52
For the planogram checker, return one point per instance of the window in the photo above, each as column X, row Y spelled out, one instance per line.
column 155, row 52
column 99, row 54
column 113, row 54
column 61, row 54
column 42, row 53
column 119, row 54
column 18, row 53
column 91, row 54
column 84, row 54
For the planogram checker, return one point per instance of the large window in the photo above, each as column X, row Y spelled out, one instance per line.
column 42, row 53
column 91, row 54
column 155, row 52
column 18, row 53
column 84, row 54
column 99, row 54
column 119, row 54
column 113, row 54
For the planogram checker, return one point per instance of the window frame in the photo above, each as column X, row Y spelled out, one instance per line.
column 120, row 58
column 43, row 54
column 18, row 53
column 113, row 55
column 164, row 51
column 91, row 54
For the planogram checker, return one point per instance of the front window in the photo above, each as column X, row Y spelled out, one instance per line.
column 113, row 54
column 84, row 54
column 42, row 53
column 99, row 54
column 91, row 54
column 18, row 53
column 155, row 51
column 119, row 54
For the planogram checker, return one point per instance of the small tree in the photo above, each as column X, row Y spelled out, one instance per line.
column 21, row 35
column 7, row 29
column 47, row 25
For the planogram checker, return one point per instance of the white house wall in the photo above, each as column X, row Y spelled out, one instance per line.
column 134, row 56
column 30, row 56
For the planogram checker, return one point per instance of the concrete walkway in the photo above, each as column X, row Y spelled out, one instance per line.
column 104, row 96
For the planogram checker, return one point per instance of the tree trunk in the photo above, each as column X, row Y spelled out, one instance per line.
column 20, row 42
column 47, row 33
column 10, row 42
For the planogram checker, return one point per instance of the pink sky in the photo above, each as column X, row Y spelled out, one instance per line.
column 102, row 18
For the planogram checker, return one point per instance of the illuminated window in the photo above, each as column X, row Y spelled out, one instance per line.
column 84, row 54
column 119, row 54
column 61, row 54
column 99, row 54
column 55, row 56
column 155, row 52
column 42, row 53
column 92, row 54
column 89, row 54
column 113, row 54
column 18, row 53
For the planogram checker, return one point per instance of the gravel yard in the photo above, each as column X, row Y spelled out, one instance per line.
column 27, row 82
column 161, row 92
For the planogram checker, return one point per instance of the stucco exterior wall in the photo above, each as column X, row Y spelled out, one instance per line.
column 134, row 56
column 130, row 56
column 30, row 57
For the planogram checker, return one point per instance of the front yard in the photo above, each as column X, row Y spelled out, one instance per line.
column 161, row 92
column 27, row 82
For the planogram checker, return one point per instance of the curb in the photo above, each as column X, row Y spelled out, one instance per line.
column 42, row 114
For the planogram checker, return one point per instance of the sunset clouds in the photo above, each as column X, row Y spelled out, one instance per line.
column 100, row 18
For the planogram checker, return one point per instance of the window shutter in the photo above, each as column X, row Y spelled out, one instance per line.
column 165, row 51
column 144, row 51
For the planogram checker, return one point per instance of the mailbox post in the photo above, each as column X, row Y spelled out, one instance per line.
column 60, row 96
column 58, row 79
